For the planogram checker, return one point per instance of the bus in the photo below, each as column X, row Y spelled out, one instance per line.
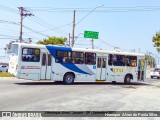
column 66, row 64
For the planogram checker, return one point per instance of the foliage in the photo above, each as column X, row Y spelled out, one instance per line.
column 53, row 41
column 156, row 41
column 5, row 74
column 151, row 61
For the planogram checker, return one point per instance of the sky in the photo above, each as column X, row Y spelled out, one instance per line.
column 126, row 24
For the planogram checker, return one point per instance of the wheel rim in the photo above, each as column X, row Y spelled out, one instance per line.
column 128, row 80
column 69, row 79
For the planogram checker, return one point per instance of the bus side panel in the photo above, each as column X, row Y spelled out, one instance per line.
column 30, row 71
column 59, row 70
column 118, row 73
column 29, row 76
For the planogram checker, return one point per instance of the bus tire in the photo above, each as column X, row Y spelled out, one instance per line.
column 127, row 79
column 113, row 82
column 68, row 78
column 58, row 82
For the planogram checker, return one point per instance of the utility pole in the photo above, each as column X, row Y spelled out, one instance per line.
column 69, row 40
column 22, row 16
column 73, row 27
column 29, row 40
column 147, row 58
column 139, row 50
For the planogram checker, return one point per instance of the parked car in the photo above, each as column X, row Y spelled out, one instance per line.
column 3, row 68
column 155, row 73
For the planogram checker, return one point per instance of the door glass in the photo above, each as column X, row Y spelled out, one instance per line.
column 99, row 63
column 103, row 62
column 44, row 60
column 49, row 59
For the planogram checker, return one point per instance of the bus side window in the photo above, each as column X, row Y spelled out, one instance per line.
column 77, row 57
column 61, row 56
column 116, row 60
column 120, row 60
column 90, row 58
column 30, row 54
column 131, row 61
column 110, row 60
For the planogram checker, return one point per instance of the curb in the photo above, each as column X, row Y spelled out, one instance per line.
column 7, row 77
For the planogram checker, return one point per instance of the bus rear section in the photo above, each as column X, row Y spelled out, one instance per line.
column 13, row 59
column 30, row 62
column 35, row 64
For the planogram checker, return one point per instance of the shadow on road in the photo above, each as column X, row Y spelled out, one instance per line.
column 84, row 83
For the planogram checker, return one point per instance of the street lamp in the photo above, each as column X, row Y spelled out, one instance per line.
column 73, row 28
column 89, row 13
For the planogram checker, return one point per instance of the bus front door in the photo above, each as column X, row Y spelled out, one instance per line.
column 101, row 68
column 46, row 66
column 142, row 70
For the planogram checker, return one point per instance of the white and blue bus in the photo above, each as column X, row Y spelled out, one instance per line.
column 57, row 63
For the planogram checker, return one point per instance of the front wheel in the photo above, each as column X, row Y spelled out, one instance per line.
column 68, row 78
column 127, row 79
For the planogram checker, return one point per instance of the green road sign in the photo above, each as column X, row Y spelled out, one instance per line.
column 91, row 34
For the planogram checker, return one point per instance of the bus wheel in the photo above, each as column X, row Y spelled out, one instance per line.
column 68, row 78
column 127, row 79
column 113, row 82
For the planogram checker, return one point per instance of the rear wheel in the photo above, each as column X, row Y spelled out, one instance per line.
column 151, row 77
column 113, row 82
column 68, row 78
column 127, row 79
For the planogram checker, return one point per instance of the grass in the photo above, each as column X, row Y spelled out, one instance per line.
column 5, row 74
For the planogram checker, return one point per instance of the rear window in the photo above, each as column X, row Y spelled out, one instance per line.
column 4, row 66
column 157, row 69
column 14, row 49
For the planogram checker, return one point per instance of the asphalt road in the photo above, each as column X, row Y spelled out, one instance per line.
column 25, row 95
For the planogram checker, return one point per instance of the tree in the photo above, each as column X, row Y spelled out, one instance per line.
column 53, row 41
column 156, row 41
column 151, row 61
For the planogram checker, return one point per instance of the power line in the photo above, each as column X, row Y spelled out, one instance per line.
column 9, row 22
column 7, row 36
column 54, row 28
column 103, row 9
column 5, row 8
column 49, row 26
column 35, row 31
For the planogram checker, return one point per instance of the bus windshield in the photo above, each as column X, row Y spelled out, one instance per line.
column 14, row 49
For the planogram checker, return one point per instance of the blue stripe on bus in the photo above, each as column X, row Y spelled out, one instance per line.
column 70, row 66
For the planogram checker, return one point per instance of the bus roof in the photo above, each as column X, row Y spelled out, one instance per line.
column 100, row 51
